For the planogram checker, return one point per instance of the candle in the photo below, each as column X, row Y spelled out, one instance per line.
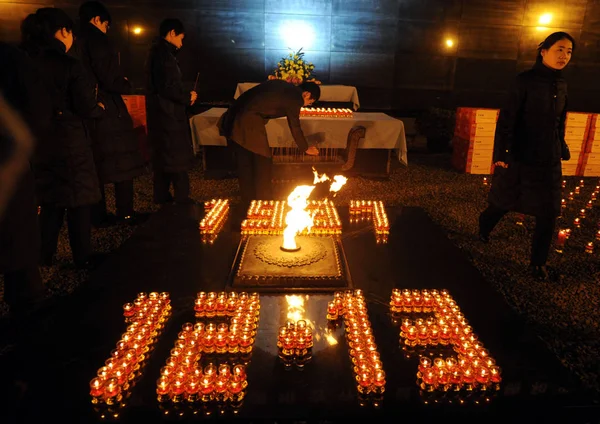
column 577, row 223
column 162, row 386
column 560, row 241
column 485, row 181
column 97, row 387
column 582, row 213
column 563, row 203
column 564, row 183
column 589, row 248
column 111, row 388
column 589, row 204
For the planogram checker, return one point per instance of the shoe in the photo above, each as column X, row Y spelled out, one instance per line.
column 539, row 272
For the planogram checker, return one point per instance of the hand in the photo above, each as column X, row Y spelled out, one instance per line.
column 501, row 164
column 101, row 105
column 193, row 97
column 312, row 151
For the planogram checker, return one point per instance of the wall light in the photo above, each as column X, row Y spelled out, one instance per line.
column 137, row 30
column 449, row 42
column 545, row 18
column 297, row 34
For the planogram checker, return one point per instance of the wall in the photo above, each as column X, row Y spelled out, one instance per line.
column 394, row 51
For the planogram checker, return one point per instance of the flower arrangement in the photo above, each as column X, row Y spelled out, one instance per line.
column 294, row 69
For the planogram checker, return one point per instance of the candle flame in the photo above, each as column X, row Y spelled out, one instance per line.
column 338, row 183
column 319, row 179
column 295, row 309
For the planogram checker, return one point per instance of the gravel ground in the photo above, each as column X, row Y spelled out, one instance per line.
column 565, row 312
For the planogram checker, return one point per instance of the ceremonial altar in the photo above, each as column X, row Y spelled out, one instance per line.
column 329, row 93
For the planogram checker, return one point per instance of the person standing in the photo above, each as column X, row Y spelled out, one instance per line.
column 529, row 146
column 65, row 174
column 116, row 151
column 244, row 127
column 19, row 228
column 169, row 131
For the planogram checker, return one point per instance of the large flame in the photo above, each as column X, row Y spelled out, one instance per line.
column 338, row 183
column 298, row 219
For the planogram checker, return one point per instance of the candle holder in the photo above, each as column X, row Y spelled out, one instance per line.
column 589, row 247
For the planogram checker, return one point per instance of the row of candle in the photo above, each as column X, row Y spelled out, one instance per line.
column 220, row 384
column 367, row 365
column 447, row 326
column 295, row 338
column 223, row 304
column 216, row 214
column 564, row 234
column 268, row 217
column 146, row 316
column 375, row 208
column 326, row 112
column 457, row 374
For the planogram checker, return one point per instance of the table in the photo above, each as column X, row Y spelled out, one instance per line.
column 329, row 93
column 382, row 132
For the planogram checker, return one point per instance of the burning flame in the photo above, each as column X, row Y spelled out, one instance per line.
column 338, row 183
column 298, row 219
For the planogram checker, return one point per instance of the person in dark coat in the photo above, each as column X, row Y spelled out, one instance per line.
column 169, row 131
column 244, row 127
column 19, row 229
column 65, row 174
column 116, row 151
column 529, row 146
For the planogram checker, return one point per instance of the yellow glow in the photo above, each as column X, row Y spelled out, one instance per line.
column 332, row 341
column 545, row 18
column 449, row 42
column 297, row 219
column 295, row 309
column 137, row 30
column 541, row 29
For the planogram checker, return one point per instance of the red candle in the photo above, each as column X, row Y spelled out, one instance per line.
column 111, row 388
column 577, row 222
column 562, row 238
column 582, row 213
column 589, row 248
column 97, row 387
column 162, row 386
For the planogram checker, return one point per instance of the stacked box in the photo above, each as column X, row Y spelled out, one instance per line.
column 473, row 142
column 576, row 133
column 136, row 105
column 590, row 164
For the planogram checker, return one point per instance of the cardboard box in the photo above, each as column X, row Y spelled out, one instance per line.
column 469, row 131
column 578, row 119
column 593, row 145
column 576, row 133
column 590, row 170
column 136, row 106
column 570, row 168
column 479, row 168
column 478, row 115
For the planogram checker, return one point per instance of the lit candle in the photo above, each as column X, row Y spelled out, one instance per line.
column 577, row 223
column 582, row 213
column 589, row 248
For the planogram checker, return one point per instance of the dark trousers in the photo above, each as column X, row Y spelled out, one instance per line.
column 23, row 289
column 542, row 235
column 163, row 181
column 255, row 175
column 123, row 202
column 80, row 231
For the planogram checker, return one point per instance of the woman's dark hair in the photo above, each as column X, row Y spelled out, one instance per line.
column 38, row 28
column 90, row 9
column 171, row 24
column 313, row 89
column 551, row 40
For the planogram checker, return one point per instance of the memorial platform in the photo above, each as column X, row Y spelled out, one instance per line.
column 55, row 360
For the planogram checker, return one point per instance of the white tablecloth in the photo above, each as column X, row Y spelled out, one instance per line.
column 329, row 93
column 383, row 132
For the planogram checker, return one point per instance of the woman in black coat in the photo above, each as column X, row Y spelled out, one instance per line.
column 116, row 151
column 65, row 174
column 168, row 125
column 529, row 146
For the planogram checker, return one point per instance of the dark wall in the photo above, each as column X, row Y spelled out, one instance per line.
column 394, row 51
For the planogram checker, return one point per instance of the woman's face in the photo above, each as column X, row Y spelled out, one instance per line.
column 559, row 55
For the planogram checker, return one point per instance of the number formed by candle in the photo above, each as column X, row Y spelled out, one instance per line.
column 472, row 369
column 146, row 317
column 227, row 325
column 295, row 343
column 367, row 366
column 216, row 214
column 371, row 210
column 268, row 217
